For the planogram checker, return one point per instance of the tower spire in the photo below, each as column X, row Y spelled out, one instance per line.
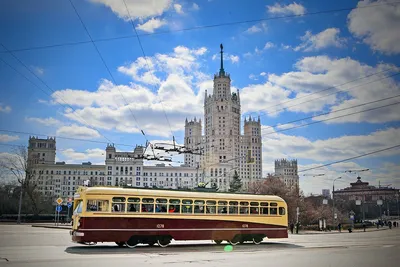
column 221, row 70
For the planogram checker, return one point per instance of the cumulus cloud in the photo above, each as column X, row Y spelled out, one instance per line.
column 45, row 121
column 138, row 9
column 195, row 6
column 151, row 25
column 72, row 156
column 234, row 58
column 291, row 9
column 178, row 8
column 327, row 38
column 5, row 109
column 4, row 138
column 261, row 27
column 141, row 108
column 75, row 131
column 377, row 26
column 230, row 57
column 269, row 45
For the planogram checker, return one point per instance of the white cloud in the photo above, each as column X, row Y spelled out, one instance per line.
column 327, row 38
column 195, row 6
column 4, row 138
column 45, row 121
column 269, row 45
column 75, row 131
column 263, row 73
column 234, row 59
column 138, row 9
column 291, row 9
column 5, row 109
column 253, row 77
column 262, row 27
column 151, row 25
column 178, row 8
column 72, row 156
column 314, row 74
column 377, row 26
column 38, row 70
column 106, row 109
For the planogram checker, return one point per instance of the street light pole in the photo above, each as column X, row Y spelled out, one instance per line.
column 20, row 203
column 333, row 199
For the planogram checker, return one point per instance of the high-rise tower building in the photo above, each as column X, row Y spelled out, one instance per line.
column 223, row 148
column 41, row 151
column 287, row 171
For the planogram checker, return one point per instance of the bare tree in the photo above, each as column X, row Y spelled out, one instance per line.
column 17, row 164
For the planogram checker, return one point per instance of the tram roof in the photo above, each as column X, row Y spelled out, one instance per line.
column 99, row 190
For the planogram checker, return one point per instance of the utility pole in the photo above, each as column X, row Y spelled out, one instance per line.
column 333, row 199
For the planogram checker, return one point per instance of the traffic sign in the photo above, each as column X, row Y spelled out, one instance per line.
column 58, row 208
column 59, row 201
column 69, row 205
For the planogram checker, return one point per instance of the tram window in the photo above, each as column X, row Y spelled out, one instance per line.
column 161, row 205
column 265, row 204
column 199, row 206
column 78, row 208
column 97, row 205
column 222, row 207
column 134, row 204
column 211, row 206
column 174, row 206
column 147, row 205
column 282, row 211
column 254, row 210
column 254, row 204
column 118, row 204
column 233, row 207
column 274, row 204
column 273, row 211
column 187, row 206
column 264, row 210
column 244, row 207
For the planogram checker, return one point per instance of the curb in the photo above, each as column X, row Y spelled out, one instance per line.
column 343, row 232
column 52, row 226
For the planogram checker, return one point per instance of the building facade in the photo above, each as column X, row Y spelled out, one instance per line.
column 58, row 179
column 326, row 193
column 287, row 171
column 223, row 148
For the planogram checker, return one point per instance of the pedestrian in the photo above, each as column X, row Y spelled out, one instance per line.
column 291, row 228
column 364, row 226
column 390, row 224
column 340, row 227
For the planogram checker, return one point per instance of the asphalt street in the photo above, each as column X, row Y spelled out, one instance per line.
column 23, row 245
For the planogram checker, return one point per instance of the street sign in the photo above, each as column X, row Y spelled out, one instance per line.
column 358, row 202
column 69, row 205
column 59, row 201
column 352, row 217
column 58, row 208
column 335, row 215
column 379, row 202
column 325, row 201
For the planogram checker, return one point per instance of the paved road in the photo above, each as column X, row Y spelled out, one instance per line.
column 22, row 245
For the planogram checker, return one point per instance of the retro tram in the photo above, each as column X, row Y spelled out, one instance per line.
column 132, row 216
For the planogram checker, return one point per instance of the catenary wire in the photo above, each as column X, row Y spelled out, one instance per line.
column 334, row 111
column 47, row 86
column 106, row 66
column 205, row 27
column 325, row 89
column 147, row 64
column 333, row 118
column 338, row 91
column 351, row 158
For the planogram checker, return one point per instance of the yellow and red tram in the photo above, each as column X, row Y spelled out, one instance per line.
column 131, row 216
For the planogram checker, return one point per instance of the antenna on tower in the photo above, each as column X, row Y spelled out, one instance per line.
column 221, row 70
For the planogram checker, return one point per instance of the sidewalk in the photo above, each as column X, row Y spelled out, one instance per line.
column 307, row 232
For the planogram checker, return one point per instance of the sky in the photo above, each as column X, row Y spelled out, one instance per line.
column 102, row 72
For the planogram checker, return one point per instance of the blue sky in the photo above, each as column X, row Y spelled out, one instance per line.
column 274, row 63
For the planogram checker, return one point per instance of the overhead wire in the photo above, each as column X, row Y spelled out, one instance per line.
column 108, row 69
column 351, row 158
column 323, row 90
column 47, row 86
column 333, row 118
column 206, row 26
column 147, row 64
column 334, row 111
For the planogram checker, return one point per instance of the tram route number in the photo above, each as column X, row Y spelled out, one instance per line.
column 160, row 226
column 245, row 226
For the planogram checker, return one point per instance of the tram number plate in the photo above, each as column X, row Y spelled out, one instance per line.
column 159, row 226
column 245, row 226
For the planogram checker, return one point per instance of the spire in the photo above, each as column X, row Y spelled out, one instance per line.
column 221, row 70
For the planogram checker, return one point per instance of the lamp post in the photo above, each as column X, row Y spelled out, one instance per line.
column 333, row 199
column 397, row 201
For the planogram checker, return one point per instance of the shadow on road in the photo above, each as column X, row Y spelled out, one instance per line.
column 176, row 248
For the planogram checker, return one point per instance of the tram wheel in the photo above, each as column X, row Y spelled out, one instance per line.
column 132, row 242
column 257, row 240
column 236, row 240
column 90, row 243
column 120, row 244
column 218, row 242
column 151, row 243
column 163, row 242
